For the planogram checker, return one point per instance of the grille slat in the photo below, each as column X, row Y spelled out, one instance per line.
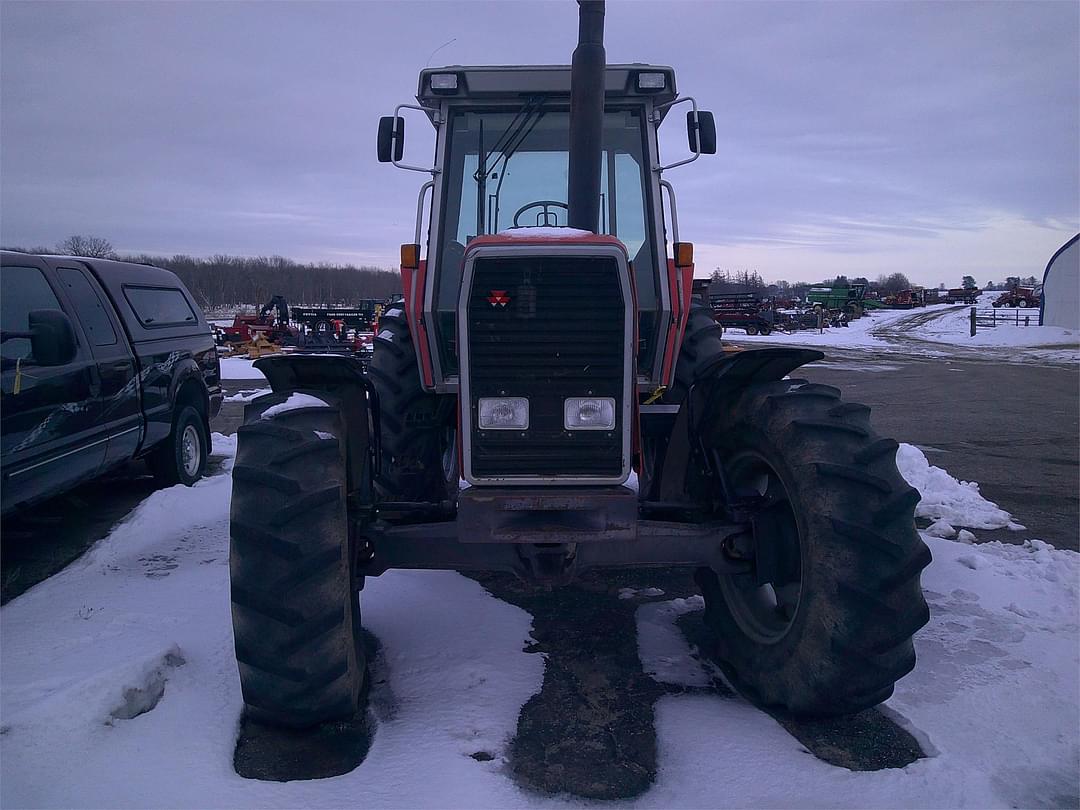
column 561, row 334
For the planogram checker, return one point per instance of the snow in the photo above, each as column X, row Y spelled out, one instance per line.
column 946, row 499
column 239, row 368
column 294, row 403
column 119, row 686
column 955, row 327
column 247, row 394
column 543, row 232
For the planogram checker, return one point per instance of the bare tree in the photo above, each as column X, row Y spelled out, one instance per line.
column 93, row 246
column 894, row 282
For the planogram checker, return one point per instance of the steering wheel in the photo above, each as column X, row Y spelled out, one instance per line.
column 545, row 204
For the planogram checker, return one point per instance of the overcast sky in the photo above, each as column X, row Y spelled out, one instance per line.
column 937, row 139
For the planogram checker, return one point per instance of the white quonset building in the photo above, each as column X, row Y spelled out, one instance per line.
column 1061, row 288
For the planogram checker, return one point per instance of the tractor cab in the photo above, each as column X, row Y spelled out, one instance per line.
column 502, row 169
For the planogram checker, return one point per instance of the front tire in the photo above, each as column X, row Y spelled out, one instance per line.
column 295, row 600
column 824, row 624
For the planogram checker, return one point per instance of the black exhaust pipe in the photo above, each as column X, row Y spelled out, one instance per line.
column 586, row 118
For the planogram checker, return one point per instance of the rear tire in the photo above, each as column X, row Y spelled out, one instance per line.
column 846, row 585
column 295, row 600
column 751, row 329
column 418, row 429
column 181, row 458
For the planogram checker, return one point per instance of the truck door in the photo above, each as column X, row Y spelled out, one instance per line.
column 50, row 436
column 121, row 414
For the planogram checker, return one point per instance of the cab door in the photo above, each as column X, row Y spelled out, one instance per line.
column 119, row 394
column 50, row 436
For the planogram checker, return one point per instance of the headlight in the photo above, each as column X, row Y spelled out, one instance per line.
column 589, row 413
column 504, row 413
column 651, row 81
column 444, row 82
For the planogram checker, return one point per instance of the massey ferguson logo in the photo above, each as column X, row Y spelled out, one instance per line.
column 498, row 298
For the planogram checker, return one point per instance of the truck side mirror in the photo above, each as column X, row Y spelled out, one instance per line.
column 702, row 138
column 391, row 138
column 52, row 337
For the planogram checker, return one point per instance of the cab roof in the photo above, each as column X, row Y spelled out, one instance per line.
column 513, row 82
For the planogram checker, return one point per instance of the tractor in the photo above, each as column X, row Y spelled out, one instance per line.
column 548, row 399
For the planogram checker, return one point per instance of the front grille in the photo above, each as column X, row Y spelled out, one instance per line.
column 561, row 334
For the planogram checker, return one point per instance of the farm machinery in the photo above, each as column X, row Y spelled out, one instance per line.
column 746, row 311
column 547, row 348
column 848, row 302
column 1021, row 297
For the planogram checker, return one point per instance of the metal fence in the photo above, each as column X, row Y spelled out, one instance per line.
column 989, row 318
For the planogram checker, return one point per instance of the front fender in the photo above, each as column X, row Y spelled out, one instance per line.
column 724, row 376
column 754, row 365
column 343, row 377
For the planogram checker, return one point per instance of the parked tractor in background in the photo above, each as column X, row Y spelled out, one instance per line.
column 1021, row 297
column 544, row 365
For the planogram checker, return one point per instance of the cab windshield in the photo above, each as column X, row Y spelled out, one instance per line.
column 508, row 168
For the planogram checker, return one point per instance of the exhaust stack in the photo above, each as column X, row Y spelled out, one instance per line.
column 586, row 118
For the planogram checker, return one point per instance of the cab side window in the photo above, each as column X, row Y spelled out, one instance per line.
column 95, row 319
column 22, row 290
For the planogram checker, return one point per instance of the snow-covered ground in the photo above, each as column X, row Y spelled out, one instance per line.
column 937, row 331
column 240, row 368
column 955, row 327
column 118, row 686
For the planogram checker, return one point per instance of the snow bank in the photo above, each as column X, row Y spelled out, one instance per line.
column 240, row 368
column 955, row 327
column 944, row 498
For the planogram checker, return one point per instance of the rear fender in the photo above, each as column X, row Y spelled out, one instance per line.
column 722, row 378
column 344, row 378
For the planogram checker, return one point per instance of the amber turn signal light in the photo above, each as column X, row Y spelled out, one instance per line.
column 410, row 256
column 684, row 254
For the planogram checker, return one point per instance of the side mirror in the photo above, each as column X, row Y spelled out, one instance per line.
column 702, row 138
column 52, row 337
column 391, row 138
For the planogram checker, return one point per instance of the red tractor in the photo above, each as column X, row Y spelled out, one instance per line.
column 546, row 351
column 1022, row 297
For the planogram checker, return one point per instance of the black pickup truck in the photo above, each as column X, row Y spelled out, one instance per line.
column 101, row 362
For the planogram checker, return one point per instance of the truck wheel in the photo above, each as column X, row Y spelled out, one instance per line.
column 295, row 591
column 824, row 624
column 751, row 329
column 418, row 429
column 181, row 458
column 765, row 330
column 1022, row 303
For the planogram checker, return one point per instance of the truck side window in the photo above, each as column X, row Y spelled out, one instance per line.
column 160, row 306
column 92, row 314
column 22, row 290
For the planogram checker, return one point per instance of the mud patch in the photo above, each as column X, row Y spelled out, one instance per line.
column 590, row 730
column 274, row 754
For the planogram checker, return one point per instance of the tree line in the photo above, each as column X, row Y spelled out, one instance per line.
column 750, row 281
column 230, row 281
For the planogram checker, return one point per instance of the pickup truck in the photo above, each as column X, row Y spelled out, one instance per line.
column 101, row 362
